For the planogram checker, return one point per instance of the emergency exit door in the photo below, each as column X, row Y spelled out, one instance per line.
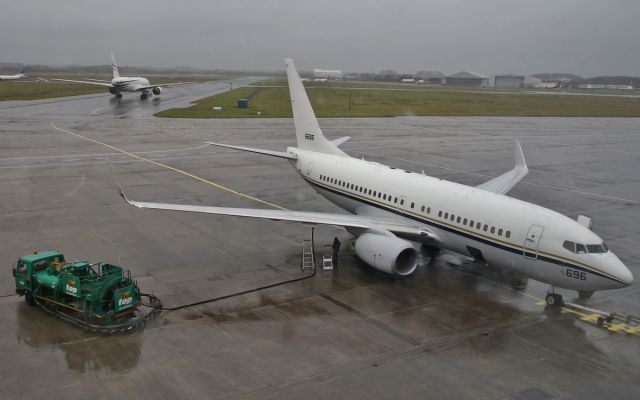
column 531, row 242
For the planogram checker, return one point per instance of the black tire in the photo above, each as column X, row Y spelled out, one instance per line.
column 28, row 298
column 550, row 300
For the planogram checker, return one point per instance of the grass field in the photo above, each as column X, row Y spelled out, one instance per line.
column 333, row 101
column 27, row 89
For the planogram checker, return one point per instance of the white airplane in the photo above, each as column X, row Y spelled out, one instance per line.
column 393, row 210
column 548, row 85
column 12, row 77
column 120, row 84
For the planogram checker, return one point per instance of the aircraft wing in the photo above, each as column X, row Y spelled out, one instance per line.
column 105, row 84
column 345, row 220
column 505, row 182
column 149, row 87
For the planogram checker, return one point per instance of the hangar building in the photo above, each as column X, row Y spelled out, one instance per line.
column 465, row 78
column 508, row 81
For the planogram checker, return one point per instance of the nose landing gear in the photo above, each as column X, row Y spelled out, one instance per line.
column 553, row 299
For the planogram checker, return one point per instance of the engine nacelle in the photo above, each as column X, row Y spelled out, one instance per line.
column 387, row 253
column 156, row 90
column 112, row 90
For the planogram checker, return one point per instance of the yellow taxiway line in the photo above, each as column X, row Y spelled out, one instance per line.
column 133, row 155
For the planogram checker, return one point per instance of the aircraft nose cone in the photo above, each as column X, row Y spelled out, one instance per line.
column 621, row 272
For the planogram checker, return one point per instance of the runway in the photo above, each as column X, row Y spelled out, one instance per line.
column 444, row 332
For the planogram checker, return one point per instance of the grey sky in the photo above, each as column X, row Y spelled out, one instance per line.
column 588, row 37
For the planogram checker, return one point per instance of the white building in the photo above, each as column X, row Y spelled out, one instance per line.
column 328, row 74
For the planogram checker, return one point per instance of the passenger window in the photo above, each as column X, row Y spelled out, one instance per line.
column 401, row 202
column 464, row 221
column 508, row 234
column 428, row 210
column 471, row 223
column 458, row 220
column 479, row 225
column 412, row 204
column 580, row 248
column 453, row 217
column 446, row 215
column 493, row 229
column 500, row 232
column 421, row 208
column 384, row 197
column 439, row 213
column 486, row 227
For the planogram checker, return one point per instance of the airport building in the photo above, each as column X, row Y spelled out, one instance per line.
column 434, row 77
column 465, row 78
column 508, row 81
column 329, row 74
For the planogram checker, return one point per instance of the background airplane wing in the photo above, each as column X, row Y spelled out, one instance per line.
column 505, row 182
column 105, row 84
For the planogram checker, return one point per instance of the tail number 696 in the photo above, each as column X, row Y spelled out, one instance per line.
column 575, row 274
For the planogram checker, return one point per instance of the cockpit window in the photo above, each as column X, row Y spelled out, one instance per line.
column 585, row 248
column 569, row 246
column 596, row 248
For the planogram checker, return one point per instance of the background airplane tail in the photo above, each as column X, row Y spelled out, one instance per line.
column 308, row 133
column 114, row 66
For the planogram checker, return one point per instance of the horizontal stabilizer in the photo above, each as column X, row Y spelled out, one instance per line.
column 505, row 182
column 281, row 154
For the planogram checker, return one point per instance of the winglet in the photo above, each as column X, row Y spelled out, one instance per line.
column 120, row 190
column 521, row 164
column 505, row 182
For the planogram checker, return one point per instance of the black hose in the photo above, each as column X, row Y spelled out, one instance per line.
column 197, row 303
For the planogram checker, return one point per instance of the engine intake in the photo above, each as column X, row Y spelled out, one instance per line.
column 156, row 90
column 387, row 253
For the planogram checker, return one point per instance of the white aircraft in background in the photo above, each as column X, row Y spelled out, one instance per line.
column 548, row 85
column 394, row 210
column 120, row 84
column 12, row 77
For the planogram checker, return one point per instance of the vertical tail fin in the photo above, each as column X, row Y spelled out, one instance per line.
column 114, row 66
column 308, row 133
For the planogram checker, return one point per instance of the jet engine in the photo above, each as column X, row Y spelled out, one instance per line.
column 156, row 90
column 387, row 253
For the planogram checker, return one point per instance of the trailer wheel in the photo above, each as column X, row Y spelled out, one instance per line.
column 28, row 298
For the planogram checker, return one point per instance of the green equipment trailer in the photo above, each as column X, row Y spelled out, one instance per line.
column 100, row 297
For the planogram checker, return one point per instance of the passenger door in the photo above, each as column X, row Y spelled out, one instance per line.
column 531, row 242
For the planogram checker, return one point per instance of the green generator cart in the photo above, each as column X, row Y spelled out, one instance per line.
column 98, row 296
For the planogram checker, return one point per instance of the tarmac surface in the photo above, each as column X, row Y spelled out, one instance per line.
column 444, row 332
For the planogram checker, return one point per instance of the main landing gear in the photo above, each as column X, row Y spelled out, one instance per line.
column 553, row 299
column 118, row 95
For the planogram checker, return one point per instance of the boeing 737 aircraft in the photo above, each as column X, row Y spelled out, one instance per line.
column 121, row 84
column 392, row 210
column 12, row 77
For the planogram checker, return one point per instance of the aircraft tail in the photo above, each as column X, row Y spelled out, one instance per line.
column 114, row 66
column 308, row 133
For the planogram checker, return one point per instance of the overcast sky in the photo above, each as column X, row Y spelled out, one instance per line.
column 587, row 37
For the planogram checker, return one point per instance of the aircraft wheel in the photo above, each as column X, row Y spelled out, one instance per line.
column 553, row 299
column 118, row 95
